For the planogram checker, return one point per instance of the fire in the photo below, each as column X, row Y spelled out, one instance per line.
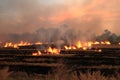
column 66, row 47
column 107, row 42
column 119, row 43
column 102, row 42
column 22, row 43
column 90, row 44
column 38, row 43
column 53, row 50
column 37, row 53
column 16, row 45
column 86, row 45
column 79, row 44
column 96, row 42
column 10, row 44
column 69, row 47
column 100, row 50
column 84, row 48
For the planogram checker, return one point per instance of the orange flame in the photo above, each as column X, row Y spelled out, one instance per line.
column 38, row 43
column 79, row 44
column 15, row 45
column 69, row 47
column 84, row 48
column 36, row 53
column 96, row 42
column 22, row 43
column 100, row 50
column 86, row 45
column 9, row 44
column 119, row 43
column 102, row 42
column 107, row 42
column 53, row 51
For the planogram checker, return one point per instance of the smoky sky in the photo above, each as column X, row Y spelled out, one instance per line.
column 82, row 17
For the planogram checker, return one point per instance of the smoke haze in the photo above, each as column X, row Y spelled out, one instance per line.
column 57, row 20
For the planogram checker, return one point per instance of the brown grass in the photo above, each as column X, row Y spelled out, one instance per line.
column 4, row 73
column 63, row 73
column 60, row 73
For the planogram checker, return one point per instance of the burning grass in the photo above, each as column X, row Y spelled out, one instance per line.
column 40, row 48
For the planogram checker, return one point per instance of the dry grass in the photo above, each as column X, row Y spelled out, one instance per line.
column 64, row 73
column 60, row 73
column 4, row 73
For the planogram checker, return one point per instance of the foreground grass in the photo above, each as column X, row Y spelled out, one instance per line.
column 61, row 73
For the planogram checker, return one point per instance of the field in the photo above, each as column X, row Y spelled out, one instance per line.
column 76, row 62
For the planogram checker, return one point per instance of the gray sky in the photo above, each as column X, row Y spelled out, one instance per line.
column 20, row 16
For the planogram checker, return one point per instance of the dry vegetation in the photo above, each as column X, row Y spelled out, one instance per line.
column 60, row 73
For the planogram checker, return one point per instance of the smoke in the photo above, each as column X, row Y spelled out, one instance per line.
column 59, row 21
column 108, row 36
column 63, row 35
column 28, row 15
column 58, row 35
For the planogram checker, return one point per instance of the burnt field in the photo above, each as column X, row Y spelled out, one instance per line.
column 107, row 61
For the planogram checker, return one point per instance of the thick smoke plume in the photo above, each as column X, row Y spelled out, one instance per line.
column 58, row 21
column 108, row 36
column 63, row 34
column 21, row 16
